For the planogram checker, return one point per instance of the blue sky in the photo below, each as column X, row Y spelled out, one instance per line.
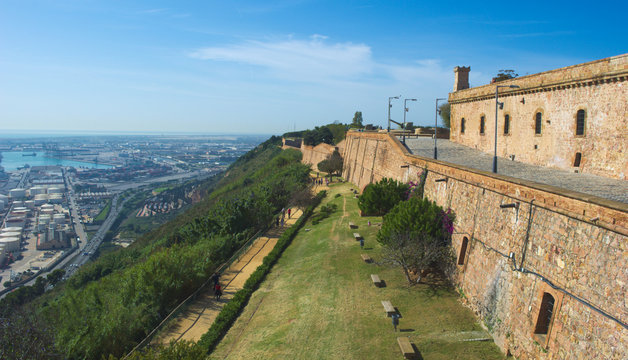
column 270, row 66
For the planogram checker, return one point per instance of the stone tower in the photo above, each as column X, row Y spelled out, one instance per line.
column 462, row 77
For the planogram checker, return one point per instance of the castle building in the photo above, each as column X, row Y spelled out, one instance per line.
column 573, row 118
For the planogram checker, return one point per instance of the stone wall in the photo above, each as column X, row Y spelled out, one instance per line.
column 569, row 245
column 312, row 155
column 600, row 88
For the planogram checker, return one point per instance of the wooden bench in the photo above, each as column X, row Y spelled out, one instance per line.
column 388, row 307
column 406, row 348
column 366, row 258
column 376, row 280
column 352, row 226
column 357, row 236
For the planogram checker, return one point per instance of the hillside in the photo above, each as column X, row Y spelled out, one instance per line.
column 110, row 305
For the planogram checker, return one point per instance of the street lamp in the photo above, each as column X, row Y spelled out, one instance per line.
column 436, row 128
column 390, row 106
column 405, row 110
column 499, row 105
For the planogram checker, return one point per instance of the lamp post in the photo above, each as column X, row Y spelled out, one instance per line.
column 405, row 110
column 390, row 106
column 436, row 128
column 499, row 105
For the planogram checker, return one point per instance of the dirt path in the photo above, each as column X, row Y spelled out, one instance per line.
column 193, row 322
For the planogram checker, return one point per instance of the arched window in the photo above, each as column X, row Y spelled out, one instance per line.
column 506, row 124
column 580, row 115
column 462, row 126
column 538, row 123
column 482, row 124
column 546, row 313
column 463, row 251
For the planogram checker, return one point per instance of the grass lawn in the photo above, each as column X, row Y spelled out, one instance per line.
column 319, row 303
column 100, row 218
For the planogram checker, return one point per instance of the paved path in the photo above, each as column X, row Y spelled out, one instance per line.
column 198, row 317
column 605, row 188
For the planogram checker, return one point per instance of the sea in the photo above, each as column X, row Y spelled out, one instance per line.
column 12, row 160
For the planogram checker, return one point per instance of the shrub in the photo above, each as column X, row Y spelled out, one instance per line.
column 417, row 216
column 324, row 213
column 379, row 198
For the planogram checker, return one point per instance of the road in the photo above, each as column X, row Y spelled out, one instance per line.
column 116, row 187
column 87, row 248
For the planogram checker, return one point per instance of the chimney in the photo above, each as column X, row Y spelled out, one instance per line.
column 462, row 77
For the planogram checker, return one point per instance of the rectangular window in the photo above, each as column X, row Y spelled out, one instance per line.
column 482, row 125
column 462, row 124
column 506, row 124
column 577, row 159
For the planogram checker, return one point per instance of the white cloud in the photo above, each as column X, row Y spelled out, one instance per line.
column 294, row 76
column 311, row 60
column 421, row 70
column 319, row 61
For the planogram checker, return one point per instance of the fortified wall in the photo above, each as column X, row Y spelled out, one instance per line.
column 312, row 155
column 543, row 267
column 574, row 118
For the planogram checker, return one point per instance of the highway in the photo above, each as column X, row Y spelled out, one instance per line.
column 119, row 187
column 87, row 248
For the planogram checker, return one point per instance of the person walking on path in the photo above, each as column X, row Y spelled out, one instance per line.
column 217, row 291
column 395, row 320
column 215, row 279
column 289, row 211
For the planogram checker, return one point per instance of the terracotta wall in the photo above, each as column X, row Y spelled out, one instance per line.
column 600, row 88
column 575, row 247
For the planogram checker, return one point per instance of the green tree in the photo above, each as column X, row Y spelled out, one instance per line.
column 357, row 120
column 416, row 236
column 55, row 276
column 332, row 165
column 338, row 130
column 505, row 75
column 445, row 113
column 318, row 135
column 25, row 335
column 302, row 199
column 379, row 198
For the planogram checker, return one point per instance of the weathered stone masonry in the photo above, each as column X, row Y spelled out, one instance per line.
column 597, row 90
column 566, row 246
column 312, row 155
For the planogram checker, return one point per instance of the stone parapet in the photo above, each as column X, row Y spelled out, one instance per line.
column 612, row 69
